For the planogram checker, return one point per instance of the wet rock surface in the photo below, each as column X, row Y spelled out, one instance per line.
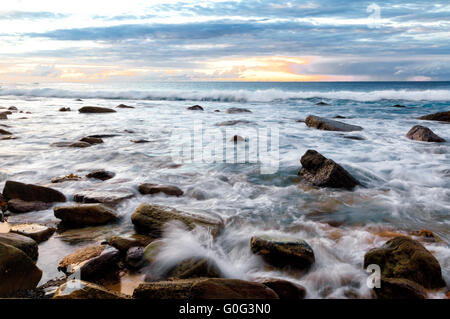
column 195, row 108
column 30, row 193
column 109, row 198
column 440, row 116
column 147, row 188
column 23, row 243
column 95, row 109
column 38, row 233
column 285, row 289
column 19, row 206
column 424, row 134
column 78, row 289
column 101, row 175
column 235, row 110
column 85, row 215
column 330, row 125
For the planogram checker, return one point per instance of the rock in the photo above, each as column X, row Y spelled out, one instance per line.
column 79, row 100
column 405, row 258
column 8, row 112
column 3, row 116
column 283, row 252
column 102, row 267
column 70, row 177
column 95, row 109
column 233, row 122
column 38, row 233
column 234, row 110
column 25, row 244
column 424, row 134
column 12, row 108
column 139, row 141
column 195, row 108
column 123, row 244
column 75, row 259
column 237, row 138
column 323, row 172
column 152, row 218
column 428, row 235
column 322, row 103
column 123, row 106
column 85, row 215
column 103, row 135
column 101, row 174
column 71, row 144
column 64, row 109
column 285, row 289
column 135, row 257
column 195, row 268
column 440, row 116
column 212, row 288
column 395, row 288
column 78, row 289
column 19, row 206
column 330, row 125
column 4, row 132
column 146, row 189
column 17, row 271
column 30, row 193
column 339, row 117
column 354, row 137
column 398, row 105
column 217, row 111
column 3, row 203
column 91, row 140
column 110, row 198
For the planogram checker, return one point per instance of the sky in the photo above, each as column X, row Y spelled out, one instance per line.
column 223, row 40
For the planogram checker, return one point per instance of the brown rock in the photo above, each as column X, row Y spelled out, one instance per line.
column 146, row 189
column 101, row 175
column 440, row 116
column 123, row 106
column 195, row 268
column 30, row 193
column 12, row 108
column 323, row 172
column 237, row 138
column 405, row 258
column 71, row 144
column 330, row 125
column 195, row 108
column 38, row 233
column 424, row 134
column 19, row 206
column 78, row 289
column 25, row 244
column 135, row 257
column 102, row 267
column 79, row 256
column 234, row 110
column 285, row 289
column 4, row 132
column 283, row 252
column 85, row 215
column 64, row 109
column 91, row 140
column 396, row 288
column 3, row 203
column 70, row 177
column 3, row 116
column 95, row 109
column 140, row 141
column 110, row 198
column 123, row 244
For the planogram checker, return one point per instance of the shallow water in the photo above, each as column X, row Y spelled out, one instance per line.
column 406, row 183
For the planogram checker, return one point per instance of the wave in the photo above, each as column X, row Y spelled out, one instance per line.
column 242, row 96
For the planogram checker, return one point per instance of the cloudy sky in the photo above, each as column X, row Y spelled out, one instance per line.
column 223, row 40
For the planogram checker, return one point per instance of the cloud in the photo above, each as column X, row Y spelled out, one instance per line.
column 24, row 15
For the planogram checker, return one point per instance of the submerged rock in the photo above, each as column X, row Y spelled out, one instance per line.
column 19, row 206
column 17, row 271
column 140, row 141
column 38, row 233
column 123, row 106
column 78, row 289
column 77, row 144
column 330, row 125
column 283, row 252
column 405, row 258
column 91, row 140
column 135, row 257
column 321, row 103
column 152, row 218
column 285, row 289
column 110, row 198
column 64, row 109
column 147, row 188
column 30, row 193
column 424, row 134
column 212, row 288
column 323, row 172
column 440, row 116
column 95, row 109
column 70, row 177
column 101, row 175
column 398, row 105
column 234, row 110
column 25, row 244
column 233, row 122
column 85, row 215
column 195, row 108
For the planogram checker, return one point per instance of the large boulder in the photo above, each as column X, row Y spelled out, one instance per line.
column 85, row 214
column 38, row 233
column 25, row 244
column 152, row 218
column 424, row 134
column 31, row 193
column 95, row 109
column 17, row 271
column 147, row 188
column 280, row 252
column 78, row 289
column 330, row 125
column 323, row 172
column 212, row 288
column 19, row 206
column 440, row 116
column 108, row 197
column 285, row 289
column 405, row 258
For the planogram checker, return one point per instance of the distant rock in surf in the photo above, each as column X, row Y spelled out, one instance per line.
column 234, row 110
column 70, row 177
column 424, row 134
column 330, row 125
column 12, row 108
column 323, row 172
column 322, row 104
column 101, row 175
column 77, row 144
column 4, row 132
column 146, row 189
column 91, row 140
column 123, row 106
column 233, row 122
column 195, row 108
column 440, row 116
column 108, row 197
column 398, row 105
column 237, row 139
column 64, row 109
column 3, row 116
column 95, row 109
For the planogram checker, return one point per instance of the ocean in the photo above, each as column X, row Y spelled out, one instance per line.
column 256, row 190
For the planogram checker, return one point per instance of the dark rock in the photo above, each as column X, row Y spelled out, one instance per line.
column 330, row 125
column 354, row 137
column 95, row 109
column 237, row 138
column 77, row 144
column 285, row 289
column 217, row 111
column 233, row 122
column 19, row 206
column 440, row 116
column 339, row 117
column 396, row 288
column 152, row 218
column 85, row 215
column 79, row 100
column 30, row 193
column 103, row 135
column 3, row 203
column 3, row 116
column 25, row 244
column 4, row 132
column 195, row 108
column 424, row 134
column 283, row 252
column 102, row 267
column 72, row 261
column 321, row 171
column 110, row 198
column 212, row 288
column 234, row 110
column 91, row 140
column 12, row 108
column 38, row 233
column 17, row 271
column 135, row 257
column 101, row 174
column 405, row 258
column 123, row 106
column 398, row 105
column 123, row 244
column 147, row 188
column 70, row 177
column 322, row 103
column 140, row 141
column 195, row 268
column 78, row 289
column 64, row 109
